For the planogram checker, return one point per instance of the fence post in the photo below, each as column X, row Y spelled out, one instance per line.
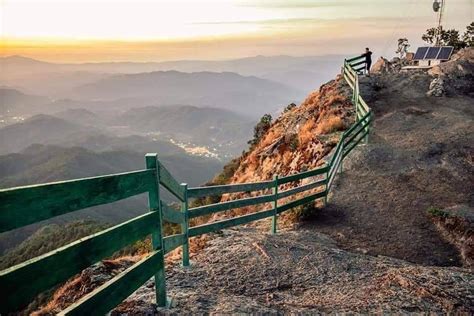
column 325, row 200
column 185, row 226
column 366, row 138
column 340, row 163
column 154, row 204
column 275, row 204
column 355, row 93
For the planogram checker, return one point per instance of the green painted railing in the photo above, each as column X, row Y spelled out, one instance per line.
column 22, row 206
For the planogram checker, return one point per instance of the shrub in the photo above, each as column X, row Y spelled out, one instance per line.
column 260, row 129
column 307, row 131
column 294, row 142
column 48, row 238
column 289, row 107
column 437, row 212
column 301, row 213
column 330, row 125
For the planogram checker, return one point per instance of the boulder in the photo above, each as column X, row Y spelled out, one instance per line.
column 382, row 65
column 436, row 88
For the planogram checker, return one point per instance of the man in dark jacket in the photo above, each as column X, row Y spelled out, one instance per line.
column 368, row 59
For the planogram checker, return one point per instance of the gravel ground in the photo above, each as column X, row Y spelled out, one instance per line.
column 420, row 155
column 300, row 271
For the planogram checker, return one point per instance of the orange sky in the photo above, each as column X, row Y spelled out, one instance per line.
column 106, row 30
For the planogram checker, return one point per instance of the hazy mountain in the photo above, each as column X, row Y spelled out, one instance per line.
column 248, row 95
column 40, row 163
column 79, row 128
column 139, row 144
column 20, row 65
column 204, row 126
column 102, row 108
column 80, row 116
column 39, row 129
column 38, row 77
column 14, row 102
column 303, row 73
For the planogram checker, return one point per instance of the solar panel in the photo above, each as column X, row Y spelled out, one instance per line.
column 420, row 53
column 445, row 53
column 437, row 53
column 432, row 52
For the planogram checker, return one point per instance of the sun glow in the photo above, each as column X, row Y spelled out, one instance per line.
column 118, row 30
column 131, row 20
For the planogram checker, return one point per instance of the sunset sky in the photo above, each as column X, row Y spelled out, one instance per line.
column 137, row 30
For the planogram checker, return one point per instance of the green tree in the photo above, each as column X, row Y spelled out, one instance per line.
column 468, row 36
column 260, row 129
column 430, row 36
column 450, row 37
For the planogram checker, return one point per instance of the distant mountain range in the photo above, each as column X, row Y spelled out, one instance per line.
column 40, row 129
column 46, row 163
column 247, row 95
column 16, row 102
column 303, row 73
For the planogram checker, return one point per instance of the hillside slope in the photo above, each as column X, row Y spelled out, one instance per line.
column 419, row 158
column 420, row 153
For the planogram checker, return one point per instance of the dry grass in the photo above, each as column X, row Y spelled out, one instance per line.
column 334, row 100
column 306, row 132
column 330, row 124
column 83, row 284
column 272, row 134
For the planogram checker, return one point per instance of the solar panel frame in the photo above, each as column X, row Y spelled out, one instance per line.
column 445, row 53
column 432, row 52
column 421, row 53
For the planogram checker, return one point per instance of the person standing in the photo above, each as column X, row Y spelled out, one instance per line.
column 368, row 59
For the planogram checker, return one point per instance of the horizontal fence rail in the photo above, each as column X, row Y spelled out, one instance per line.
column 30, row 204
column 26, row 205
column 229, row 188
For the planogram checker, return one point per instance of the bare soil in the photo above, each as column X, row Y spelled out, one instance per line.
column 302, row 271
column 420, row 155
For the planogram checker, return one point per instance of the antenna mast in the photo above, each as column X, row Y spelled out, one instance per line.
column 438, row 6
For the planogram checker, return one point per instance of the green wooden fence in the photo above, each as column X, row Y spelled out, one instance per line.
column 21, row 206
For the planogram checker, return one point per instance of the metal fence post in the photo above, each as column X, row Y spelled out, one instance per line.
column 185, row 226
column 154, row 204
column 275, row 204
column 325, row 199
column 340, row 163
column 366, row 138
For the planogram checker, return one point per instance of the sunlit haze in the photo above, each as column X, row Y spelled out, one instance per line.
column 106, row 30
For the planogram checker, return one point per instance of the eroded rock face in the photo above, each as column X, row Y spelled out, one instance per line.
column 456, row 223
column 380, row 66
column 458, row 73
column 384, row 66
column 436, row 88
column 301, row 137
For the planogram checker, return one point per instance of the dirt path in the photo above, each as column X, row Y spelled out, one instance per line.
column 300, row 271
column 420, row 155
